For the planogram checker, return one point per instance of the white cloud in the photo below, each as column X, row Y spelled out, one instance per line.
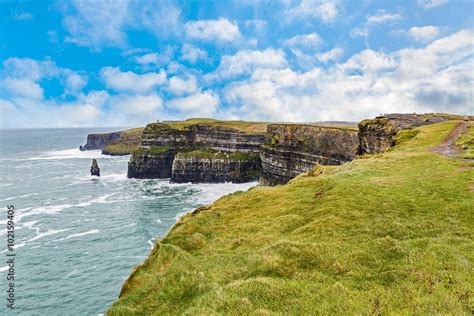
column 371, row 21
column 326, row 11
column 436, row 78
column 369, row 61
column 430, row 4
column 423, row 33
column 180, row 86
column 144, row 106
column 330, row 55
column 192, row 54
column 30, row 68
column 311, row 40
column 156, row 59
column 197, row 105
column 259, row 26
column 22, row 88
column 131, row 82
column 382, row 17
column 74, row 83
column 22, row 77
column 21, row 112
column 25, row 16
column 221, row 30
column 245, row 61
column 96, row 24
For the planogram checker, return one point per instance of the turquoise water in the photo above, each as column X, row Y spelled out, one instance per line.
column 77, row 238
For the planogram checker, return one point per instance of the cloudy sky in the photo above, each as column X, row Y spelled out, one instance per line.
column 125, row 63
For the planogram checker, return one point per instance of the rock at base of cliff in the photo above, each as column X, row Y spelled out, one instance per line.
column 150, row 164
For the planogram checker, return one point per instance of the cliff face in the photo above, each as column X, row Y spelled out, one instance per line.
column 100, row 140
column 293, row 149
column 376, row 135
column 151, row 162
column 150, row 166
column 115, row 143
column 202, row 169
column 225, row 139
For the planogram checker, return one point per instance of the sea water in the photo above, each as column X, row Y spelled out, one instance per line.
column 78, row 237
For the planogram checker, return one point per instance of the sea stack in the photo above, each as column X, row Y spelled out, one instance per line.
column 95, row 170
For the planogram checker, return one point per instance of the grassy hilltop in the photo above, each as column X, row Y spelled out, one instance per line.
column 389, row 233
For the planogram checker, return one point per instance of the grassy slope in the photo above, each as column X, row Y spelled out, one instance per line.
column 249, row 127
column 128, row 141
column 385, row 233
column 466, row 143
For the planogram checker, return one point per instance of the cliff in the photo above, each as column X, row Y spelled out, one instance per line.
column 100, row 140
column 377, row 135
column 161, row 142
column 212, row 166
column 296, row 148
column 115, row 143
column 386, row 234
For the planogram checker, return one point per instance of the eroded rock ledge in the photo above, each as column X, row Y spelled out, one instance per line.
column 292, row 149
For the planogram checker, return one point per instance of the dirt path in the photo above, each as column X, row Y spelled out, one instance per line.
column 447, row 148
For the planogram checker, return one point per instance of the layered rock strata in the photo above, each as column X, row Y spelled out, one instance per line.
column 294, row 148
column 198, row 167
column 100, row 140
column 377, row 135
column 160, row 144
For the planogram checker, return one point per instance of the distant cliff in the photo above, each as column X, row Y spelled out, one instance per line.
column 114, row 143
column 296, row 148
column 100, row 140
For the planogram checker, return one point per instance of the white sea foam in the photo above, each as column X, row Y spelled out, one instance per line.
column 74, row 153
column 20, row 196
column 213, row 191
column 19, row 245
column 29, row 225
column 114, row 177
column 53, row 209
column 150, row 242
column 47, row 233
column 94, row 231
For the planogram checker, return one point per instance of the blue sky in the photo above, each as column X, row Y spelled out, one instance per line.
column 126, row 63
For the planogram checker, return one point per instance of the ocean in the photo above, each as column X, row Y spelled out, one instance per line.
column 77, row 237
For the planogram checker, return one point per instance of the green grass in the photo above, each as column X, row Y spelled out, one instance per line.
column 466, row 143
column 128, row 142
column 248, row 127
column 213, row 154
column 384, row 234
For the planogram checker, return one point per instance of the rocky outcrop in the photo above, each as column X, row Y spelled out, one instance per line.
column 295, row 148
column 115, row 143
column 198, row 167
column 148, row 164
column 95, row 170
column 377, row 135
column 100, row 140
column 151, row 161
